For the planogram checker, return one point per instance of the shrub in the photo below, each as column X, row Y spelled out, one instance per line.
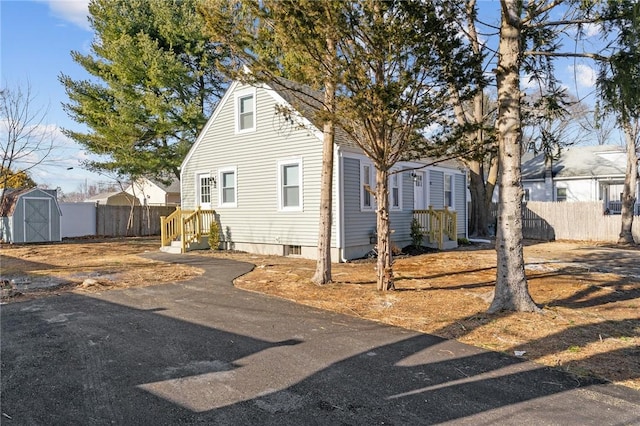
column 416, row 233
column 214, row 236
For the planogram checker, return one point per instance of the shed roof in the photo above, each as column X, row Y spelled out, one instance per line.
column 12, row 196
column 578, row 161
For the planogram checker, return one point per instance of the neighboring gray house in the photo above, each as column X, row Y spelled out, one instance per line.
column 581, row 173
column 30, row 216
column 260, row 171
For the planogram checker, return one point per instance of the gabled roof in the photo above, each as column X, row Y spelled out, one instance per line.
column 307, row 102
column 304, row 103
column 11, row 197
column 105, row 196
column 579, row 161
column 173, row 186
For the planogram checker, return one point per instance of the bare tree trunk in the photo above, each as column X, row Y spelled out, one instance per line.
column 629, row 195
column 481, row 194
column 511, row 292
column 323, row 263
column 384, row 267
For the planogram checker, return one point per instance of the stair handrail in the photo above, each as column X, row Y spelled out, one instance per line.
column 169, row 227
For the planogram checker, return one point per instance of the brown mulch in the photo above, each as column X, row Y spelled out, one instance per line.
column 590, row 324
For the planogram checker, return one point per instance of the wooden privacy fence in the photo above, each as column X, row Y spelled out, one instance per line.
column 582, row 221
column 127, row 221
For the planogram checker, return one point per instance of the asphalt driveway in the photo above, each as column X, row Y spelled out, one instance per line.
column 203, row 352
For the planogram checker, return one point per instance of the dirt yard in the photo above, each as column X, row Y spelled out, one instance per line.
column 590, row 294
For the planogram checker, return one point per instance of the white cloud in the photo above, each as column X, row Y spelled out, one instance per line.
column 584, row 74
column 74, row 11
column 591, row 30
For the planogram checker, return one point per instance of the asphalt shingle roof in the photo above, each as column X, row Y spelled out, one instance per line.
column 577, row 161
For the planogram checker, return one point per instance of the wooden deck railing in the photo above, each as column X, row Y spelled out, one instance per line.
column 187, row 226
column 437, row 224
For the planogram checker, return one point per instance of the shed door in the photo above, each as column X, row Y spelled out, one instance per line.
column 37, row 220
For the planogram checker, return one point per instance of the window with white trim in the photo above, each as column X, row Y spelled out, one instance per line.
column 561, row 194
column 448, row 190
column 395, row 191
column 228, row 188
column 246, row 111
column 290, row 185
column 367, row 186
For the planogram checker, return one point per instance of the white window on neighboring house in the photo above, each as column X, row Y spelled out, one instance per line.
column 246, row 111
column 395, row 191
column 561, row 194
column 228, row 188
column 290, row 185
column 367, row 186
column 448, row 191
column 203, row 182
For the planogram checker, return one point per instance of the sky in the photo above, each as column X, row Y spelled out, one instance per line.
column 36, row 40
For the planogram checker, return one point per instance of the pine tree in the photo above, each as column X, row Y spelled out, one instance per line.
column 153, row 85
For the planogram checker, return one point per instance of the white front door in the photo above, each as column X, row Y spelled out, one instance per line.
column 418, row 191
column 204, row 186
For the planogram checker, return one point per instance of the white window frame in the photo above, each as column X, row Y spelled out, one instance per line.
column 371, row 179
column 450, row 176
column 565, row 194
column 221, row 172
column 281, row 165
column 395, row 182
column 243, row 94
column 198, row 179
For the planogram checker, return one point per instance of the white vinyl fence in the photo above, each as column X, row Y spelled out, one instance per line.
column 88, row 219
column 581, row 221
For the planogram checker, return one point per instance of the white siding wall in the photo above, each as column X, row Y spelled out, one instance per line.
column 147, row 192
column 255, row 155
column 578, row 190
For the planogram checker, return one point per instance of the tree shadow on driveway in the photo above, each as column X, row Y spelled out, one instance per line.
column 205, row 352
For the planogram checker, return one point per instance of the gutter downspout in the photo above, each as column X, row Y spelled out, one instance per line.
column 340, row 204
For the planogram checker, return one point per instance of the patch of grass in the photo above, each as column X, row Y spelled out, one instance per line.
column 574, row 349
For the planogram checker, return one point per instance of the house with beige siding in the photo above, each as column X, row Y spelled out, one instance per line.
column 258, row 170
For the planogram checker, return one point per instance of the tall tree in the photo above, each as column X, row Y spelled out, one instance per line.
column 529, row 40
column 388, row 76
column 296, row 39
column 25, row 141
column 154, row 82
column 477, row 146
column 618, row 83
column 400, row 61
column 511, row 292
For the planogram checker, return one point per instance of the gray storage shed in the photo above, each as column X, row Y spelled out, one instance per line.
column 30, row 216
